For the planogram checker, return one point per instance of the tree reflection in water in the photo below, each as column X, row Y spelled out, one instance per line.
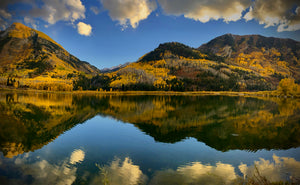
column 30, row 121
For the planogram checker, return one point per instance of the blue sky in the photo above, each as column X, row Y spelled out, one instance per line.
column 107, row 33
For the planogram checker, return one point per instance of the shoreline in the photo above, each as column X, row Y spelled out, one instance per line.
column 172, row 93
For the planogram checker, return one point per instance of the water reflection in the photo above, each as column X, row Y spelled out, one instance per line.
column 77, row 156
column 40, row 171
column 26, row 170
column 205, row 173
column 120, row 172
column 280, row 169
column 31, row 120
column 196, row 173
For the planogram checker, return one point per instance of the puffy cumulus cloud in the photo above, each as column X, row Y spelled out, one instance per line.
column 84, row 29
column 285, row 14
column 56, row 10
column 204, row 11
column 129, row 12
column 49, row 11
column 121, row 172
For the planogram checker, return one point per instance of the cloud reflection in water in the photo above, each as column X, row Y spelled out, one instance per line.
column 120, row 172
column 281, row 169
column 276, row 170
column 77, row 156
column 41, row 171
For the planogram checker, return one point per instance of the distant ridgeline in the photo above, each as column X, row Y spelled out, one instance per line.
column 30, row 58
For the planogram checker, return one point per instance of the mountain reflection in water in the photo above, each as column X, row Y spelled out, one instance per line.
column 31, row 120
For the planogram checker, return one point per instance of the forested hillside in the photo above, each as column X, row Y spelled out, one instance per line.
column 272, row 58
column 30, row 58
column 227, row 63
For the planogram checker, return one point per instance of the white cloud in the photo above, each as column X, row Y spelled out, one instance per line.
column 49, row 11
column 204, row 11
column 4, row 16
column 285, row 14
column 84, row 29
column 60, row 10
column 129, row 12
column 30, row 21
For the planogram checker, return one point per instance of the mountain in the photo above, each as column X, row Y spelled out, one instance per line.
column 258, row 51
column 228, row 44
column 172, row 50
column 28, row 56
column 114, row 68
column 228, row 62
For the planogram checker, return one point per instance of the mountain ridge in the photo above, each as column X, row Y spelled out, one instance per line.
column 34, row 59
column 40, row 41
column 258, row 41
column 272, row 50
column 226, row 63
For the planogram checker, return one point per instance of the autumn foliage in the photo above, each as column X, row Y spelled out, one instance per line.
column 288, row 87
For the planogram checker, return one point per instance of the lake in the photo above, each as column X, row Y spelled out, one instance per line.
column 52, row 138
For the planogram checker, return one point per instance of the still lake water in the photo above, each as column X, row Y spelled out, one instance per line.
column 77, row 139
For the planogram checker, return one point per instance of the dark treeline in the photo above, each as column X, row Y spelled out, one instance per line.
column 203, row 82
